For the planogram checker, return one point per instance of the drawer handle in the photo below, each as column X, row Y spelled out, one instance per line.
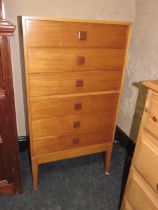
column 76, row 124
column 79, row 83
column 157, row 187
column 77, row 106
column 154, row 119
column 146, row 109
column 75, row 141
column 80, row 60
column 82, row 35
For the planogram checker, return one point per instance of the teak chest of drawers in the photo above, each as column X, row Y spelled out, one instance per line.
column 74, row 71
column 142, row 186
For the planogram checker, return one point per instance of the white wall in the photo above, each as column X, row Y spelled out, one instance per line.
column 121, row 10
column 143, row 60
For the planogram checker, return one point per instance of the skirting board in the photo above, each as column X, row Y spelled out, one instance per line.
column 124, row 141
column 23, row 143
column 128, row 145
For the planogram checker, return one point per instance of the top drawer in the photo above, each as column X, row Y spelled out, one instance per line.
column 74, row 34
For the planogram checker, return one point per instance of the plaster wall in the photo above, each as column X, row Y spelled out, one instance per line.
column 142, row 65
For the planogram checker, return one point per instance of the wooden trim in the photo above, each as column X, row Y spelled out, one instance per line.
column 76, row 20
column 81, row 94
column 153, row 85
column 71, row 153
column 123, row 74
column 26, row 83
column 6, row 28
column 143, row 122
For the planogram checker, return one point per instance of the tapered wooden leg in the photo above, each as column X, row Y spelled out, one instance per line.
column 35, row 173
column 108, row 160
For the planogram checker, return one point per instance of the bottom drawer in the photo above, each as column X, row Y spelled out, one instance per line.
column 61, row 143
column 146, row 161
column 140, row 195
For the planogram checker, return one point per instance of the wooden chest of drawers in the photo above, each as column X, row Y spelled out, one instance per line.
column 142, row 186
column 74, row 71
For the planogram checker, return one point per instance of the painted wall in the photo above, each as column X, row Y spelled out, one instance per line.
column 121, row 10
column 142, row 65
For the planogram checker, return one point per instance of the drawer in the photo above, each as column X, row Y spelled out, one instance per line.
column 151, row 123
column 72, row 60
column 45, row 107
column 147, row 160
column 75, row 34
column 62, row 143
column 77, row 123
column 139, row 195
column 77, row 82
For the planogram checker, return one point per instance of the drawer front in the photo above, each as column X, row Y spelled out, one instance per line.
column 73, row 60
column 151, row 123
column 68, row 83
column 139, row 195
column 62, row 143
column 67, row 125
column 72, row 34
column 42, row 108
column 147, row 160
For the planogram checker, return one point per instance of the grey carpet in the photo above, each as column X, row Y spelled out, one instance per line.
column 73, row 184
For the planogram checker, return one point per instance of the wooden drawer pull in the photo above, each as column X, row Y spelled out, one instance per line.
column 77, row 106
column 76, row 124
column 79, row 83
column 154, row 119
column 82, row 35
column 157, row 187
column 80, row 60
column 75, row 141
column 146, row 109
